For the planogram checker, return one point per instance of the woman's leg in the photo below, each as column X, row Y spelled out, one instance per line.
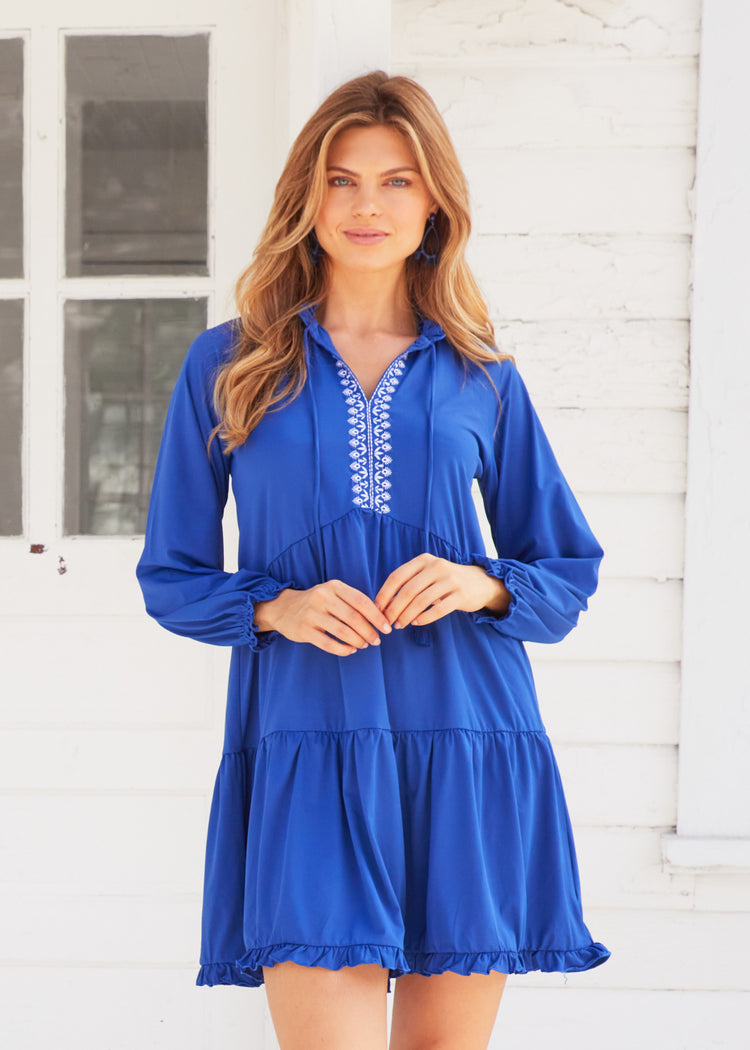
column 446, row 1011
column 317, row 1009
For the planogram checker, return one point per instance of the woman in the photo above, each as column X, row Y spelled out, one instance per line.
column 388, row 804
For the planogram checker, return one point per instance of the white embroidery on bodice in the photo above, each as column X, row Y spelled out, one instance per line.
column 370, row 435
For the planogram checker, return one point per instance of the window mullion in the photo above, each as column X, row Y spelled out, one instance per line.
column 127, row 287
column 44, row 463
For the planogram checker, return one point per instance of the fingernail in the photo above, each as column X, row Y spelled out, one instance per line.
column 386, row 628
column 376, row 642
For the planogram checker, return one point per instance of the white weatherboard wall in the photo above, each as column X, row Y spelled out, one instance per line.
column 576, row 124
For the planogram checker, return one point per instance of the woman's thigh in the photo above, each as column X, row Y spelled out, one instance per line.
column 317, row 1009
column 447, row 1010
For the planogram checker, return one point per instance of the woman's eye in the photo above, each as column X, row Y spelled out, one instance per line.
column 398, row 181
column 339, row 180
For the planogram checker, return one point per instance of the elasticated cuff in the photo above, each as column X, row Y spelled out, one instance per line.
column 504, row 572
column 256, row 638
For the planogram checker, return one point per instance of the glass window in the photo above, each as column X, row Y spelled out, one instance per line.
column 11, row 415
column 136, row 155
column 11, row 158
column 121, row 361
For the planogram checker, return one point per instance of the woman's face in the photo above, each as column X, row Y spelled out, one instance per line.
column 377, row 203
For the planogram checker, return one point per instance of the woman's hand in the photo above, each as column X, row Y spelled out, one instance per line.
column 333, row 616
column 427, row 588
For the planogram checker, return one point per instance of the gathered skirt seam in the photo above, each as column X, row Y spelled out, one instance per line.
column 355, row 512
column 390, row 732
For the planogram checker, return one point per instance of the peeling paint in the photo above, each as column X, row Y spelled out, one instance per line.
column 62, row 568
column 37, row 548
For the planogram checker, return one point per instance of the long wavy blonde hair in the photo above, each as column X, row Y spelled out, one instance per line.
column 267, row 368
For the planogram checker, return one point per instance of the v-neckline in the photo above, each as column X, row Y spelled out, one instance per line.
column 337, row 353
column 368, row 400
column 385, row 371
column 427, row 332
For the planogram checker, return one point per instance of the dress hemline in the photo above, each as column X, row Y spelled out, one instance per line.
column 248, row 971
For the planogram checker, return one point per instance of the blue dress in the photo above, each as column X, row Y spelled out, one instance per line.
column 401, row 805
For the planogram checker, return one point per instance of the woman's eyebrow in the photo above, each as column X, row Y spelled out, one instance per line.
column 391, row 171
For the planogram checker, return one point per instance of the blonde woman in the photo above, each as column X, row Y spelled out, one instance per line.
column 387, row 804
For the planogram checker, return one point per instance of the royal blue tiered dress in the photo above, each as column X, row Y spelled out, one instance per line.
column 401, row 805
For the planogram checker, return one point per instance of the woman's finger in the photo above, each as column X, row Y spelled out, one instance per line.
column 330, row 645
column 399, row 577
column 365, row 616
column 433, row 602
column 351, row 611
column 430, row 573
column 346, row 632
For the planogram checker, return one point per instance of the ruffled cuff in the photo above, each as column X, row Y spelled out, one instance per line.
column 504, row 572
column 264, row 592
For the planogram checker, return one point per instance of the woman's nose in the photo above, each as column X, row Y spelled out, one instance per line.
column 366, row 202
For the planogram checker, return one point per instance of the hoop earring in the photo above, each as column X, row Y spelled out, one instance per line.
column 422, row 253
column 314, row 247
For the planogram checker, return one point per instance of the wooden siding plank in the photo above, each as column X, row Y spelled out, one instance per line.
column 620, row 785
column 607, row 702
column 122, row 671
column 604, row 102
column 626, row 620
column 173, row 760
column 620, row 450
column 622, row 868
column 587, row 1019
column 65, row 928
column 642, row 533
column 601, row 363
column 668, row 950
column 468, row 33
column 105, row 843
column 121, row 1008
column 543, row 277
column 581, row 191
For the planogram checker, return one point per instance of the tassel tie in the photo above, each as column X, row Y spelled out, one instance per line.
column 312, row 365
column 424, row 635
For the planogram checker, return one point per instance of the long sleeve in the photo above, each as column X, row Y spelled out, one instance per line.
column 548, row 557
column 181, row 568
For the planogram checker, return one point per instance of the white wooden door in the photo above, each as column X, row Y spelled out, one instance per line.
column 137, row 163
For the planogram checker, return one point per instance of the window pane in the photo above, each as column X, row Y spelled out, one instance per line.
column 11, row 158
column 11, row 415
column 121, row 361
column 137, row 158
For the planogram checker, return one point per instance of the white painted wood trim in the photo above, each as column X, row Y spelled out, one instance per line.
column 714, row 772
column 715, row 856
column 329, row 42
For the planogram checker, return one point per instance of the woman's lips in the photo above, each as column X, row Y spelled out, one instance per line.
column 365, row 237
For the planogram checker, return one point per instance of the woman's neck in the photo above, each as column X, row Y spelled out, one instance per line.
column 362, row 304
